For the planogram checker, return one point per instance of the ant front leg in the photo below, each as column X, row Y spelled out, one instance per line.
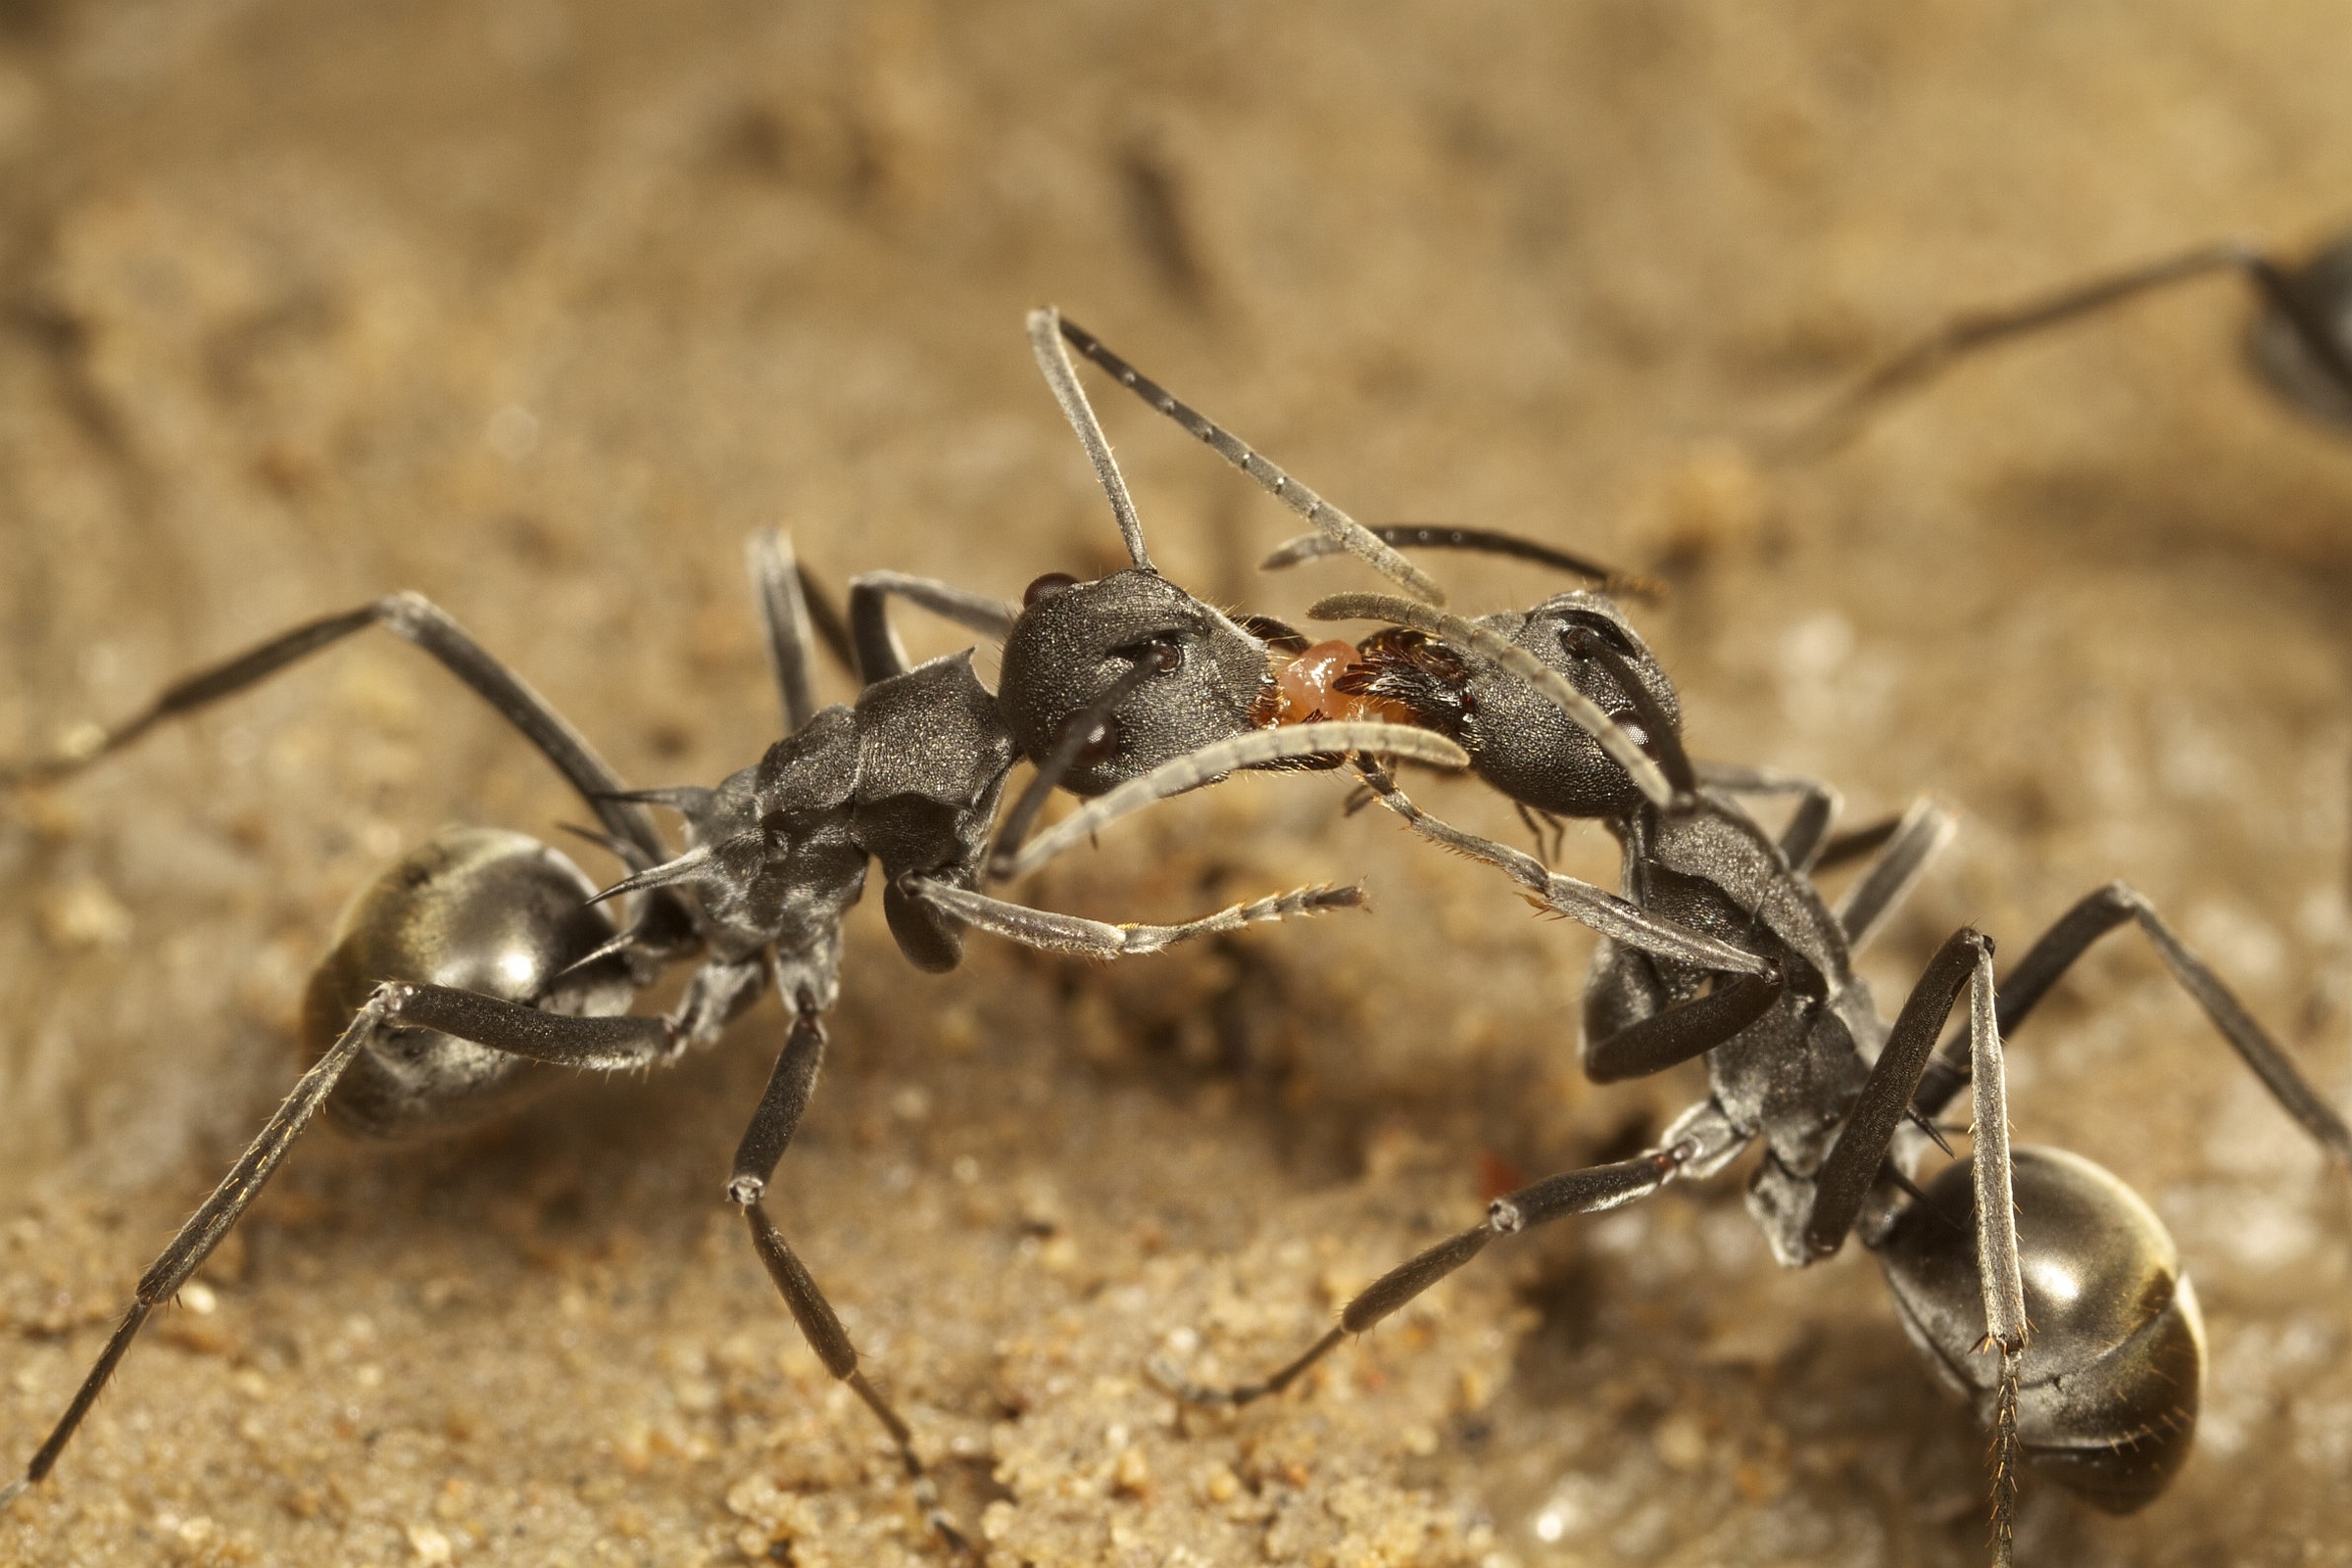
column 1051, row 932
column 763, row 1144
column 1597, row 909
column 602, row 1044
column 1860, row 1155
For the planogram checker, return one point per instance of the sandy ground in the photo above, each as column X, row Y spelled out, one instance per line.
column 538, row 308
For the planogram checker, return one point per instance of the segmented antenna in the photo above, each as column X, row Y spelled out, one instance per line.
column 1484, row 541
column 1351, row 535
column 1250, row 749
column 1046, row 332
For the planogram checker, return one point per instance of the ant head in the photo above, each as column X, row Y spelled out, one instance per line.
column 1189, row 674
column 1525, row 746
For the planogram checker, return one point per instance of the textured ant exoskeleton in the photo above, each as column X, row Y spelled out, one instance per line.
column 483, row 960
column 2037, row 1256
column 2301, row 343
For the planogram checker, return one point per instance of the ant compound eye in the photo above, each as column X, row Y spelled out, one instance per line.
column 1104, row 744
column 1160, row 655
column 1046, row 586
column 1635, row 731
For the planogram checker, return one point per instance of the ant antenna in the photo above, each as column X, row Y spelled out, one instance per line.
column 1349, row 534
column 1255, row 748
column 1046, row 330
column 1486, row 541
column 1494, row 649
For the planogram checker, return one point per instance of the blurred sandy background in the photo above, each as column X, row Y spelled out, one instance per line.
column 538, row 306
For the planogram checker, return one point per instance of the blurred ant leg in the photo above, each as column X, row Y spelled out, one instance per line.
column 1351, row 535
column 1595, row 907
column 1485, row 541
column 1915, row 839
column 609, row 1043
column 1053, row 932
column 413, row 619
column 875, row 641
column 2286, row 290
column 784, row 616
column 1685, row 1030
column 1854, row 843
column 2071, row 935
column 1257, row 748
column 1590, row 1191
column 763, row 1144
column 1807, row 834
column 1853, row 1163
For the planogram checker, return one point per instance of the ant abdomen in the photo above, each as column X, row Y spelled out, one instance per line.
column 2111, row 1372
column 480, row 909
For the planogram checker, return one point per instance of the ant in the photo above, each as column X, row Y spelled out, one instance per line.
column 2301, row 342
column 482, row 962
column 2037, row 1285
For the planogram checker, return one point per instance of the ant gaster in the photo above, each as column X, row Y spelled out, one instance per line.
column 2037, row 1256
column 483, row 961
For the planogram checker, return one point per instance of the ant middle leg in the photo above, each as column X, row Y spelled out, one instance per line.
column 762, row 1146
column 2066, row 941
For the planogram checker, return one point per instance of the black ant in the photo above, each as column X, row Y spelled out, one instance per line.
column 2037, row 1285
column 483, row 961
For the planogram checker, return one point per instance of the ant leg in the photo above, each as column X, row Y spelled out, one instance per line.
column 763, row 1144
column 1853, row 1163
column 874, row 642
column 1854, row 843
column 1053, row 932
column 1915, row 839
column 2289, row 292
column 2071, row 935
column 1486, row 541
column 1679, row 1032
column 1590, row 1191
column 1803, row 840
column 1595, row 907
column 415, row 620
column 784, row 615
column 609, row 1043
column 1351, row 535
column 1289, row 743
